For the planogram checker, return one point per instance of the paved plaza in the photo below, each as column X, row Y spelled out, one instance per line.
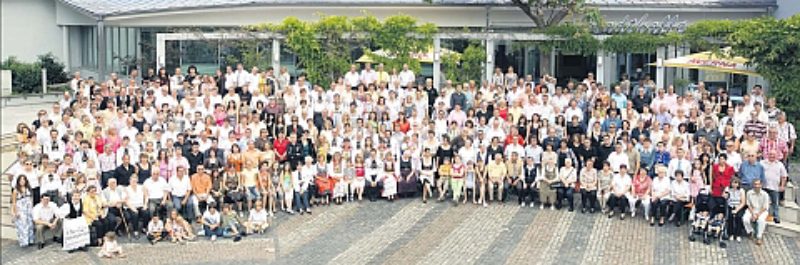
column 410, row 232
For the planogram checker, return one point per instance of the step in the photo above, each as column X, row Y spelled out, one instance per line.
column 8, row 232
column 5, row 219
column 784, row 229
column 789, row 212
column 790, row 193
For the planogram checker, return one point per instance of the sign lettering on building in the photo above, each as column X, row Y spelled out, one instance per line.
column 628, row 24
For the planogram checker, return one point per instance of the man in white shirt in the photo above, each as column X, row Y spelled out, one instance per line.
column 620, row 192
column 757, row 210
column 180, row 191
column 368, row 76
column 618, row 158
column 45, row 219
column 242, row 78
column 406, row 77
column 351, row 78
column 776, row 176
column 679, row 163
column 156, row 191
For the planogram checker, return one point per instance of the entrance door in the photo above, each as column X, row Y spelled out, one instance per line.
column 575, row 67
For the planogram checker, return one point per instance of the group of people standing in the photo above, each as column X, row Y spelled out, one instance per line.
column 226, row 151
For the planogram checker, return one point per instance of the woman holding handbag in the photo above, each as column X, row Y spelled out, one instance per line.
column 569, row 179
column 548, row 184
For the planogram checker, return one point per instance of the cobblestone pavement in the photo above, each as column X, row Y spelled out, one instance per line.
column 408, row 231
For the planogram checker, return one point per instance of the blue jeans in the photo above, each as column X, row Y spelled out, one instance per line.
column 301, row 201
column 216, row 231
column 187, row 211
column 774, row 201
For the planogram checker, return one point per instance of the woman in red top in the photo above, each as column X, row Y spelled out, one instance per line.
column 502, row 110
column 281, row 144
column 722, row 175
column 99, row 141
column 641, row 192
column 402, row 124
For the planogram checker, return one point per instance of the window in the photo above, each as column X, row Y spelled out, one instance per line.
column 88, row 41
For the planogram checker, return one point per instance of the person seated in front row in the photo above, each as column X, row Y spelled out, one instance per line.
column 110, row 247
column 155, row 229
column 178, row 228
column 231, row 225
column 257, row 223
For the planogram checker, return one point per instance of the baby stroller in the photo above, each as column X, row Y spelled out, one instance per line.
column 708, row 222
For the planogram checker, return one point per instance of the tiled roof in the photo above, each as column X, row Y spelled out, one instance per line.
column 102, row 8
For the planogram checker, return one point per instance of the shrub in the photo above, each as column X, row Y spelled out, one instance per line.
column 55, row 69
column 27, row 77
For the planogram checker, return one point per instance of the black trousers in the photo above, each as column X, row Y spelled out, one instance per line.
column 679, row 209
column 565, row 193
column 525, row 194
column 137, row 220
column 659, row 208
column 373, row 192
column 620, row 202
column 734, row 222
column 589, row 200
column 37, row 196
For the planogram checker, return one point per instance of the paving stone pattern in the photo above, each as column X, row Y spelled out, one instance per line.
column 410, row 232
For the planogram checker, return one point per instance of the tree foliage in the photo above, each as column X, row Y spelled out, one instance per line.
column 27, row 77
column 547, row 13
column 325, row 47
column 773, row 46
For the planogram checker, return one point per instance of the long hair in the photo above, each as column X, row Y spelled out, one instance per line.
column 19, row 187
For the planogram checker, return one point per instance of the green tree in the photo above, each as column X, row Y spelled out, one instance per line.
column 25, row 77
column 55, row 69
column 461, row 68
column 773, row 47
column 324, row 48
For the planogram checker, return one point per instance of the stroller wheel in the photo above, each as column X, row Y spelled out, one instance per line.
column 723, row 244
column 691, row 238
column 706, row 241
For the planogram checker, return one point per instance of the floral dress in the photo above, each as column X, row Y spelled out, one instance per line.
column 24, row 220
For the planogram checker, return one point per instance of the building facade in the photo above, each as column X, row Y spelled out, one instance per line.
column 104, row 36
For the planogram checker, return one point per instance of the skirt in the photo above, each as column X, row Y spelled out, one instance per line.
column 407, row 186
column 359, row 182
column 340, row 189
column 546, row 193
column 389, row 186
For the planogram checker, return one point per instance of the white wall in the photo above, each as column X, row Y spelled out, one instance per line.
column 787, row 8
column 29, row 29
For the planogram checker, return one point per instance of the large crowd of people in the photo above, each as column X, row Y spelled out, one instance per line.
column 165, row 155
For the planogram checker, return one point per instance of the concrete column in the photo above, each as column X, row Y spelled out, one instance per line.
column 101, row 51
column 553, row 54
column 489, row 67
column 661, row 55
column 599, row 72
column 161, row 50
column 606, row 71
column 276, row 55
column 65, row 48
column 437, row 64
column 670, row 72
